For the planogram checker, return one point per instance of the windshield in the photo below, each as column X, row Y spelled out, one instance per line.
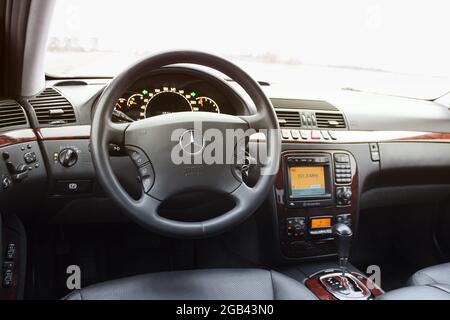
column 390, row 47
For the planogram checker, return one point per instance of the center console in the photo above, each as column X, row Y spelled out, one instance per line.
column 314, row 191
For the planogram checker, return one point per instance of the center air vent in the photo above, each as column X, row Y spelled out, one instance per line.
column 288, row 119
column 52, row 108
column 330, row 120
column 11, row 114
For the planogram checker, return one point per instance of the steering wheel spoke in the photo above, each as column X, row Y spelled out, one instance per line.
column 255, row 121
column 115, row 132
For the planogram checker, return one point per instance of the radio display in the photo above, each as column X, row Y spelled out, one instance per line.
column 320, row 223
column 307, row 181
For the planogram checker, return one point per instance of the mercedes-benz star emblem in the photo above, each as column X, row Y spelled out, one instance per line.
column 192, row 142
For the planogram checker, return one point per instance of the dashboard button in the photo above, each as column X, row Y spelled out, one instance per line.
column 342, row 158
column 73, row 186
column 325, row 135
column 304, row 134
column 332, row 135
column 30, row 157
column 315, row 135
column 295, row 134
column 375, row 156
column 286, row 134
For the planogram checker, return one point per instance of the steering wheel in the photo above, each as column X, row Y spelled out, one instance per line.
column 150, row 144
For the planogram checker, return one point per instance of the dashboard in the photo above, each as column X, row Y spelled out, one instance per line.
column 160, row 94
column 387, row 144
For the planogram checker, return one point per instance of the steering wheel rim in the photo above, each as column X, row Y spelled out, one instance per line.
column 145, row 210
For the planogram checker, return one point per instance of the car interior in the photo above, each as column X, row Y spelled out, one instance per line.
column 352, row 201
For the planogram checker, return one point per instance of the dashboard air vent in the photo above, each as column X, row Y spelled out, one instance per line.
column 330, row 120
column 303, row 104
column 288, row 119
column 52, row 108
column 11, row 114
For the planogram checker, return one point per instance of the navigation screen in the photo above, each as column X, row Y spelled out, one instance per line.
column 307, row 181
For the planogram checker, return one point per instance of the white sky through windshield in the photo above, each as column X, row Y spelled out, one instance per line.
column 100, row 37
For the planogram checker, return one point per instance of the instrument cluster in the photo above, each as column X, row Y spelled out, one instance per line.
column 150, row 101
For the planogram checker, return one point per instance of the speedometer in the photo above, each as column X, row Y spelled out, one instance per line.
column 167, row 100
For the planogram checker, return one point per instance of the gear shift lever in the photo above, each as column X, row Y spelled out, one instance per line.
column 343, row 235
column 341, row 284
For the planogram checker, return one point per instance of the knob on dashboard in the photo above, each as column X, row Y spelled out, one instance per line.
column 347, row 195
column 68, row 157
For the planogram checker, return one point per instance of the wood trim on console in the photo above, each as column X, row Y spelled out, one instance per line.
column 313, row 284
column 342, row 137
column 434, row 137
column 17, row 136
column 64, row 133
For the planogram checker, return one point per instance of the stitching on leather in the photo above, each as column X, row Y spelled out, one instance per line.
column 423, row 274
column 437, row 286
column 273, row 286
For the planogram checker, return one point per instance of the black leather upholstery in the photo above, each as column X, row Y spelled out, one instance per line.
column 212, row 284
column 439, row 274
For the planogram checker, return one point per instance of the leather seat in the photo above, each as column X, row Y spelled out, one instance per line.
column 439, row 275
column 417, row 293
column 431, row 283
column 210, row 284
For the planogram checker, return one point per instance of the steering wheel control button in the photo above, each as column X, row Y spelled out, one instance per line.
column 138, row 156
column 147, row 177
column 67, row 187
column 68, row 157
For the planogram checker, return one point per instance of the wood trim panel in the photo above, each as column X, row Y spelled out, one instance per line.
column 17, row 136
column 319, row 290
column 341, row 137
column 64, row 133
column 84, row 132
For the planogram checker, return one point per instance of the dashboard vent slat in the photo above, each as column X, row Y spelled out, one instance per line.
column 330, row 120
column 303, row 104
column 11, row 115
column 288, row 119
column 52, row 108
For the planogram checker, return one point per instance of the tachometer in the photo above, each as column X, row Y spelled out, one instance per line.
column 206, row 104
column 167, row 100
